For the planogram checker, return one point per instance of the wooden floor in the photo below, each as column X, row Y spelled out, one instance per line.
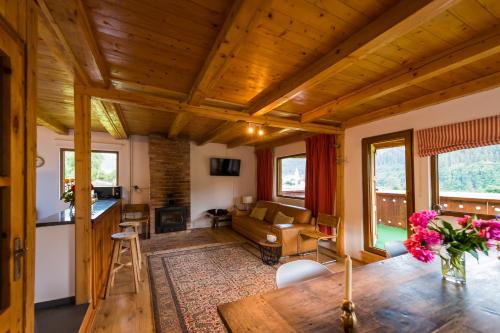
column 125, row 311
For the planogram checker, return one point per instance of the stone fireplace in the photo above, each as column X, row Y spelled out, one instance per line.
column 170, row 184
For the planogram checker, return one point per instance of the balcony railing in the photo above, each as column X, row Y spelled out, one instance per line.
column 391, row 205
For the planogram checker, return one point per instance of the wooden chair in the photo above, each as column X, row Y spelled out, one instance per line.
column 118, row 241
column 298, row 271
column 137, row 213
column 395, row 249
column 324, row 220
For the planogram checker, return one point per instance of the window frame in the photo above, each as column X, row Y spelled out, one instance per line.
column 278, row 176
column 61, row 165
column 434, row 166
column 367, row 162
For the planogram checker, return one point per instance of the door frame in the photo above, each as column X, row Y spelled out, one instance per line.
column 367, row 171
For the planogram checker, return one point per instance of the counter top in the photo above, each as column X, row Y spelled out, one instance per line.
column 66, row 217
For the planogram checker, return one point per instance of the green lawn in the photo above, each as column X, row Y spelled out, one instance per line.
column 387, row 233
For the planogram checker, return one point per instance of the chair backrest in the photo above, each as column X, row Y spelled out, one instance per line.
column 395, row 248
column 328, row 220
column 142, row 209
column 299, row 270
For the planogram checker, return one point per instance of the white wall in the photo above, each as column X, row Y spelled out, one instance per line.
column 287, row 150
column 49, row 145
column 467, row 108
column 209, row 192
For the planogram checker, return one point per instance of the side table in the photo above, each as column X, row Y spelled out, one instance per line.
column 270, row 253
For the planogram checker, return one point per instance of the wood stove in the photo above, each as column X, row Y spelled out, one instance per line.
column 168, row 219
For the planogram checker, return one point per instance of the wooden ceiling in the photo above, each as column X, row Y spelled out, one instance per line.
column 203, row 69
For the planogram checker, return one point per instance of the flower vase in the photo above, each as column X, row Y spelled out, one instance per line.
column 453, row 268
column 72, row 209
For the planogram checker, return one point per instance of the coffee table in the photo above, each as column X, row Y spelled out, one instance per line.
column 270, row 253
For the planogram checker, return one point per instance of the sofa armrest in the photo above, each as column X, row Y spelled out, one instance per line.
column 288, row 236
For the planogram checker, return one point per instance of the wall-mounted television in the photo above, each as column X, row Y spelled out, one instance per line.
column 224, row 167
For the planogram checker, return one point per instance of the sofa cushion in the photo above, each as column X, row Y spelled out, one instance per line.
column 272, row 208
column 258, row 213
column 281, row 218
column 299, row 214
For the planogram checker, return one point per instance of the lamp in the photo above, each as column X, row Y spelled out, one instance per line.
column 247, row 200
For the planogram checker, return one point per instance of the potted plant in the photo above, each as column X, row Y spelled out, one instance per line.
column 432, row 235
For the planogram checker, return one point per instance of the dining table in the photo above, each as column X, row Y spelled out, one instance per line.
column 400, row 294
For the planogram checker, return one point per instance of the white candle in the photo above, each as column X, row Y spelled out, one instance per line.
column 348, row 278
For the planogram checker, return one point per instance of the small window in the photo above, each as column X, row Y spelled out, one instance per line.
column 467, row 181
column 104, row 167
column 291, row 176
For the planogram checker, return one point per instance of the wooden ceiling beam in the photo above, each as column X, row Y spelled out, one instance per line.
column 169, row 105
column 240, row 21
column 285, row 141
column 248, row 140
column 181, row 120
column 51, row 124
column 461, row 55
column 111, row 117
column 393, row 23
column 484, row 83
column 221, row 130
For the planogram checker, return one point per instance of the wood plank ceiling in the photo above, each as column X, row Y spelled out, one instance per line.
column 205, row 69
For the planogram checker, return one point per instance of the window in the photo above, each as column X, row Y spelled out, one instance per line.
column 467, row 181
column 387, row 189
column 104, row 167
column 291, row 176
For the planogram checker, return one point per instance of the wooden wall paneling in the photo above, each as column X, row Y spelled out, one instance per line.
column 83, row 258
column 395, row 22
column 31, row 155
column 239, row 22
column 51, row 124
column 181, row 121
column 453, row 58
column 168, row 105
column 14, row 13
column 484, row 83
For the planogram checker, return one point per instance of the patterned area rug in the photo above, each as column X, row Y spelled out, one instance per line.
column 188, row 284
column 175, row 240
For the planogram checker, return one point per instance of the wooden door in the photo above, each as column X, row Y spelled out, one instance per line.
column 12, row 181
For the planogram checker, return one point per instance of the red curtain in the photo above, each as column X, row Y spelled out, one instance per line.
column 264, row 174
column 321, row 175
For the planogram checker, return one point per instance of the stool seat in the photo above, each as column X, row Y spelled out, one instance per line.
column 128, row 224
column 126, row 235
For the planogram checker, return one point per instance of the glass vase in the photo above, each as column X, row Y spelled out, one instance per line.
column 453, row 268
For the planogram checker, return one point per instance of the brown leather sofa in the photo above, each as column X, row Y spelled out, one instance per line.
column 287, row 234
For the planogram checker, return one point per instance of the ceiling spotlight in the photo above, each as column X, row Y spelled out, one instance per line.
column 261, row 132
column 251, row 129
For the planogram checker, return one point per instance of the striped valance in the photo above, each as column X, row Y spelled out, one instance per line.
column 469, row 134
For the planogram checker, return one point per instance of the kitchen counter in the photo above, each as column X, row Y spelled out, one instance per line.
column 66, row 217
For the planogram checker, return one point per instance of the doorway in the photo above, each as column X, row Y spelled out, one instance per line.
column 388, row 191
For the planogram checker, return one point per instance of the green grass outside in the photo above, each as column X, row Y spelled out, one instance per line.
column 388, row 233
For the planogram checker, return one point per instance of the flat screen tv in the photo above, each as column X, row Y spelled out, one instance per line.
column 224, row 167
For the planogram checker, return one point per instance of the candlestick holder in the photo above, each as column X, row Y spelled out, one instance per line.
column 348, row 319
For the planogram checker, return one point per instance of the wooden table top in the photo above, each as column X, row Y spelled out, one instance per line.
column 265, row 243
column 394, row 295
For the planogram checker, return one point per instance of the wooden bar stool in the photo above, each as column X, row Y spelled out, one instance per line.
column 118, row 241
column 132, row 226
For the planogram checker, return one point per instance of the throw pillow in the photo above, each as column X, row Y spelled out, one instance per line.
column 281, row 218
column 258, row 213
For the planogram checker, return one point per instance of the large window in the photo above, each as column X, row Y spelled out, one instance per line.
column 104, row 167
column 291, row 176
column 387, row 189
column 467, row 181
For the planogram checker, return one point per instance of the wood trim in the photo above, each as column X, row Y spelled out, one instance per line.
column 238, row 24
column 83, row 257
column 278, row 175
column 52, row 124
column 219, row 131
column 285, row 141
column 4, row 181
column 367, row 170
column 461, row 55
column 174, row 106
column 393, row 23
column 111, row 117
column 180, row 122
column 31, row 155
column 484, row 83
